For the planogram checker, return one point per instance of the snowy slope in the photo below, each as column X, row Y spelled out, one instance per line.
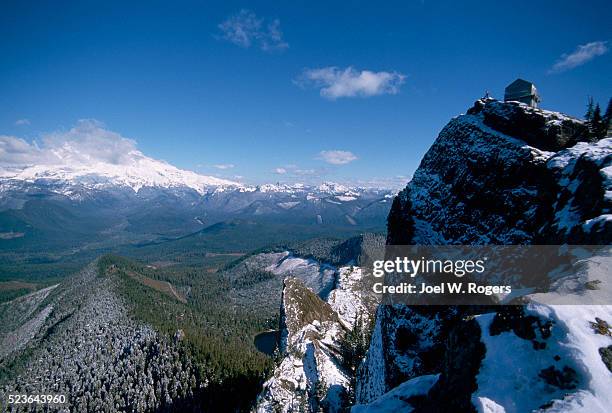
column 88, row 154
column 396, row 400
column 566, row 375
column 138, row 172
column 316, row 276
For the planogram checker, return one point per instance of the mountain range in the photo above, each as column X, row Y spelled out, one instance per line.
column 55, row 208
column 214, row 267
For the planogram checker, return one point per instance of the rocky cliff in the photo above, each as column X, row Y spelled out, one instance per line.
column 491, row 177
column 316, row 366
column 503, row 173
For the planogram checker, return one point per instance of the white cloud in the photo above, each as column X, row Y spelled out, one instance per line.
column 15, row 151
column 337, row 83
column 224, row 166
column 304, row 172
column 583, row 54
column 22, row 122
column 336, row 157
column 295, row 171
column 86, row 143
column 245, row 29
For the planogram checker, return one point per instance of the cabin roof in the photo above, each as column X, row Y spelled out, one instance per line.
column 519, row 83
column 520, row 89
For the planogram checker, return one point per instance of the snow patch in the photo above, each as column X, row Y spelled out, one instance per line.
column 511, row 374
column 396, row 400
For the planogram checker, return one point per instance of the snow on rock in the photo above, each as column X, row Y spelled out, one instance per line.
column 318, row 277
column 555, row 362
column 396, row 400
column 350, row 299
column 583, row 173
column 311, row 374
column 137, row 172
column 502, row 174
column 548, row 130
column 484, row 405
column 590, row 284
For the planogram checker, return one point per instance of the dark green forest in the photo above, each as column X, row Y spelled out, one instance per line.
column 214, row 334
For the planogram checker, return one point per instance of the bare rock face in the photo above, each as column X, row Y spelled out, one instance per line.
column 310, row 375
column 583, row 196
column 551, row 131
column 504, row 173
column 314, row 372
column 479, row 185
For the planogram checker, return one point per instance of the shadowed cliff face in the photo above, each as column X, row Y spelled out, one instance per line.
column 549, row 131
column 491, row 178
column 501, row 174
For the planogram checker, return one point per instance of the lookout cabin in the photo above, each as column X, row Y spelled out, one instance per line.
column 522, row 91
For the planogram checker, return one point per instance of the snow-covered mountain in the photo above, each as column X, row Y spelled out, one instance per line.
column 90, row 155
column 141, row 171
column 171, row 202
column 94, row 186
column 69, row 169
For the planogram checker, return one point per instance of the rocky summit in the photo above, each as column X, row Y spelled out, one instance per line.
column 503, row 173
column 481, row 185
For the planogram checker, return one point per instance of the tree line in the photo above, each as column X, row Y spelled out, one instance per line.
column 598, row 124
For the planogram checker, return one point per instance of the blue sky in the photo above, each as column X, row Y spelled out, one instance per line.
column 269, row 90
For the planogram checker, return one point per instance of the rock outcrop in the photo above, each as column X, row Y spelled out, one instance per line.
column 310, row 373
column 313, row 372
column 504, row 173
column 479, row 185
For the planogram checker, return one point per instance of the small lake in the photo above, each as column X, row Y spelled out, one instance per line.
column 266, row 341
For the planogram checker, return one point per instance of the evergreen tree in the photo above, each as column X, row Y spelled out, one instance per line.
column 320, row 395
column 588, row 116
column 277, row 357
column 589, row 113
column 608, row 118
column 598, row 128
column 354, row 348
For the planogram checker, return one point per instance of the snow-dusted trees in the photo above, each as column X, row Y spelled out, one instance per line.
column 598, row 124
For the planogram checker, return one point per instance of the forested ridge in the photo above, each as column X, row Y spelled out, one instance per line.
column 214, row 334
